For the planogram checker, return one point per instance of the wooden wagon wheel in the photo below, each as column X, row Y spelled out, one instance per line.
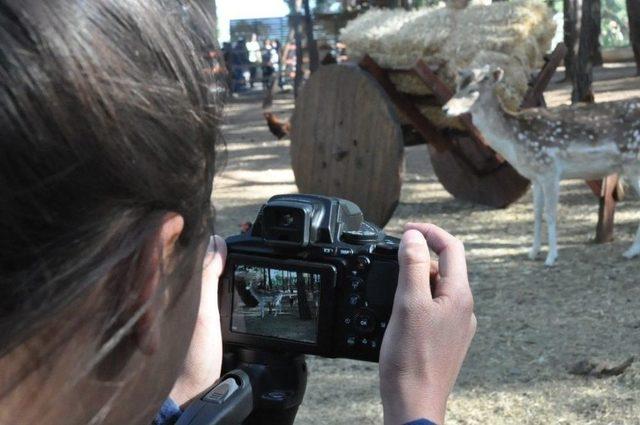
column 346, row 141
column 459, row 170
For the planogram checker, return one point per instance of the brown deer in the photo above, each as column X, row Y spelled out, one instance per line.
column 585, row 141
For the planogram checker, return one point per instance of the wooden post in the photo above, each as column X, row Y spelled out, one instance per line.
column 426, row 129
column 535, row 95
column 633, row 12
column 582, row 92
column 606, row 212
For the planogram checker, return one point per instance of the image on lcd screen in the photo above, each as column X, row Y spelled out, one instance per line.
column 276, row 303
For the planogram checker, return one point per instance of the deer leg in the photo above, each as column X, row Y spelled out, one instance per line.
column 538, row 208
column 635, row 247
column 551, row 193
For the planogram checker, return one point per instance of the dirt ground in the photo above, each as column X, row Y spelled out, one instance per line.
column 533, row 322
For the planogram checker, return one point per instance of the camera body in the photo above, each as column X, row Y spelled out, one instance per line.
column 310, row 277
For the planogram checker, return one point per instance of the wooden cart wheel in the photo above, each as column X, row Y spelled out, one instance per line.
column 457, row 170
column 346, row 141
column 241, row 288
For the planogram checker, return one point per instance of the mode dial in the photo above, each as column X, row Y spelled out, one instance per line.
column 367, row 233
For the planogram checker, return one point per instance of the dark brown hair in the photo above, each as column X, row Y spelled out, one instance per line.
column 107, row 122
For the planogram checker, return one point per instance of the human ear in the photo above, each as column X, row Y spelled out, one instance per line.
column 146, row 329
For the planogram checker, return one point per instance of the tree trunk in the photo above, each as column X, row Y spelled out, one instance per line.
column 583, row 78
column 312, row 46
column 633, row 11
column 596, row 53
column 572, row 12
column 297, row 34
column 303, row 304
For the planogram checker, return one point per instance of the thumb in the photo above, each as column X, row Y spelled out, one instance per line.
column 415, row 264
column 215, row 257
column 214, row 261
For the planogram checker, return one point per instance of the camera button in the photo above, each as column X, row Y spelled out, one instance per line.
column 365, row 322
column 356, row 283
column 345, row 251
column 277, row 395
column 362, row 262
column 354, row 300
column 328, row 251
column 387, row 248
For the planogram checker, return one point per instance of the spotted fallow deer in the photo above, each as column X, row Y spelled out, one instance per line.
column 587, row 141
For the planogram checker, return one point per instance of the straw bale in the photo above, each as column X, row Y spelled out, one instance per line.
column 512, row 35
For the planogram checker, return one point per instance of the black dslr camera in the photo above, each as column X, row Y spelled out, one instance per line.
column 310, row 277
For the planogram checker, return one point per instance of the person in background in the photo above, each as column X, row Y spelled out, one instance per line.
column 255, row 58
column 269, row 63
column 108, row 267
column 227, row 53
column 239, row 64
column 277, row 46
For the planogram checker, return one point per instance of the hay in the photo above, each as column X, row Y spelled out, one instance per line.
column 512, row 35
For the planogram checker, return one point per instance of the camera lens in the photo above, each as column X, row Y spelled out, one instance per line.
column 286, row 220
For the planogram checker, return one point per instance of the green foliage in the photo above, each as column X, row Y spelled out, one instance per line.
column 615, row 25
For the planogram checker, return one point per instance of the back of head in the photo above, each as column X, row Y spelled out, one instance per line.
column 106, row 124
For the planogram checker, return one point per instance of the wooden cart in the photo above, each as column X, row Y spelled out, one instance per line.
column 348, row 140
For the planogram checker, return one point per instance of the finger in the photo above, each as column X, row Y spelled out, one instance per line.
column 452, row 265
column 213, row 265
column 415, row 264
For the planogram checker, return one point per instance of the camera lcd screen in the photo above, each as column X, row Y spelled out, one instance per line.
column 276, row 303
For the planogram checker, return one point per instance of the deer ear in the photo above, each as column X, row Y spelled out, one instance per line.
column 497, row 74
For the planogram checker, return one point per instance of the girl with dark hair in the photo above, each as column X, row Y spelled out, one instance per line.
column 107, row 154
